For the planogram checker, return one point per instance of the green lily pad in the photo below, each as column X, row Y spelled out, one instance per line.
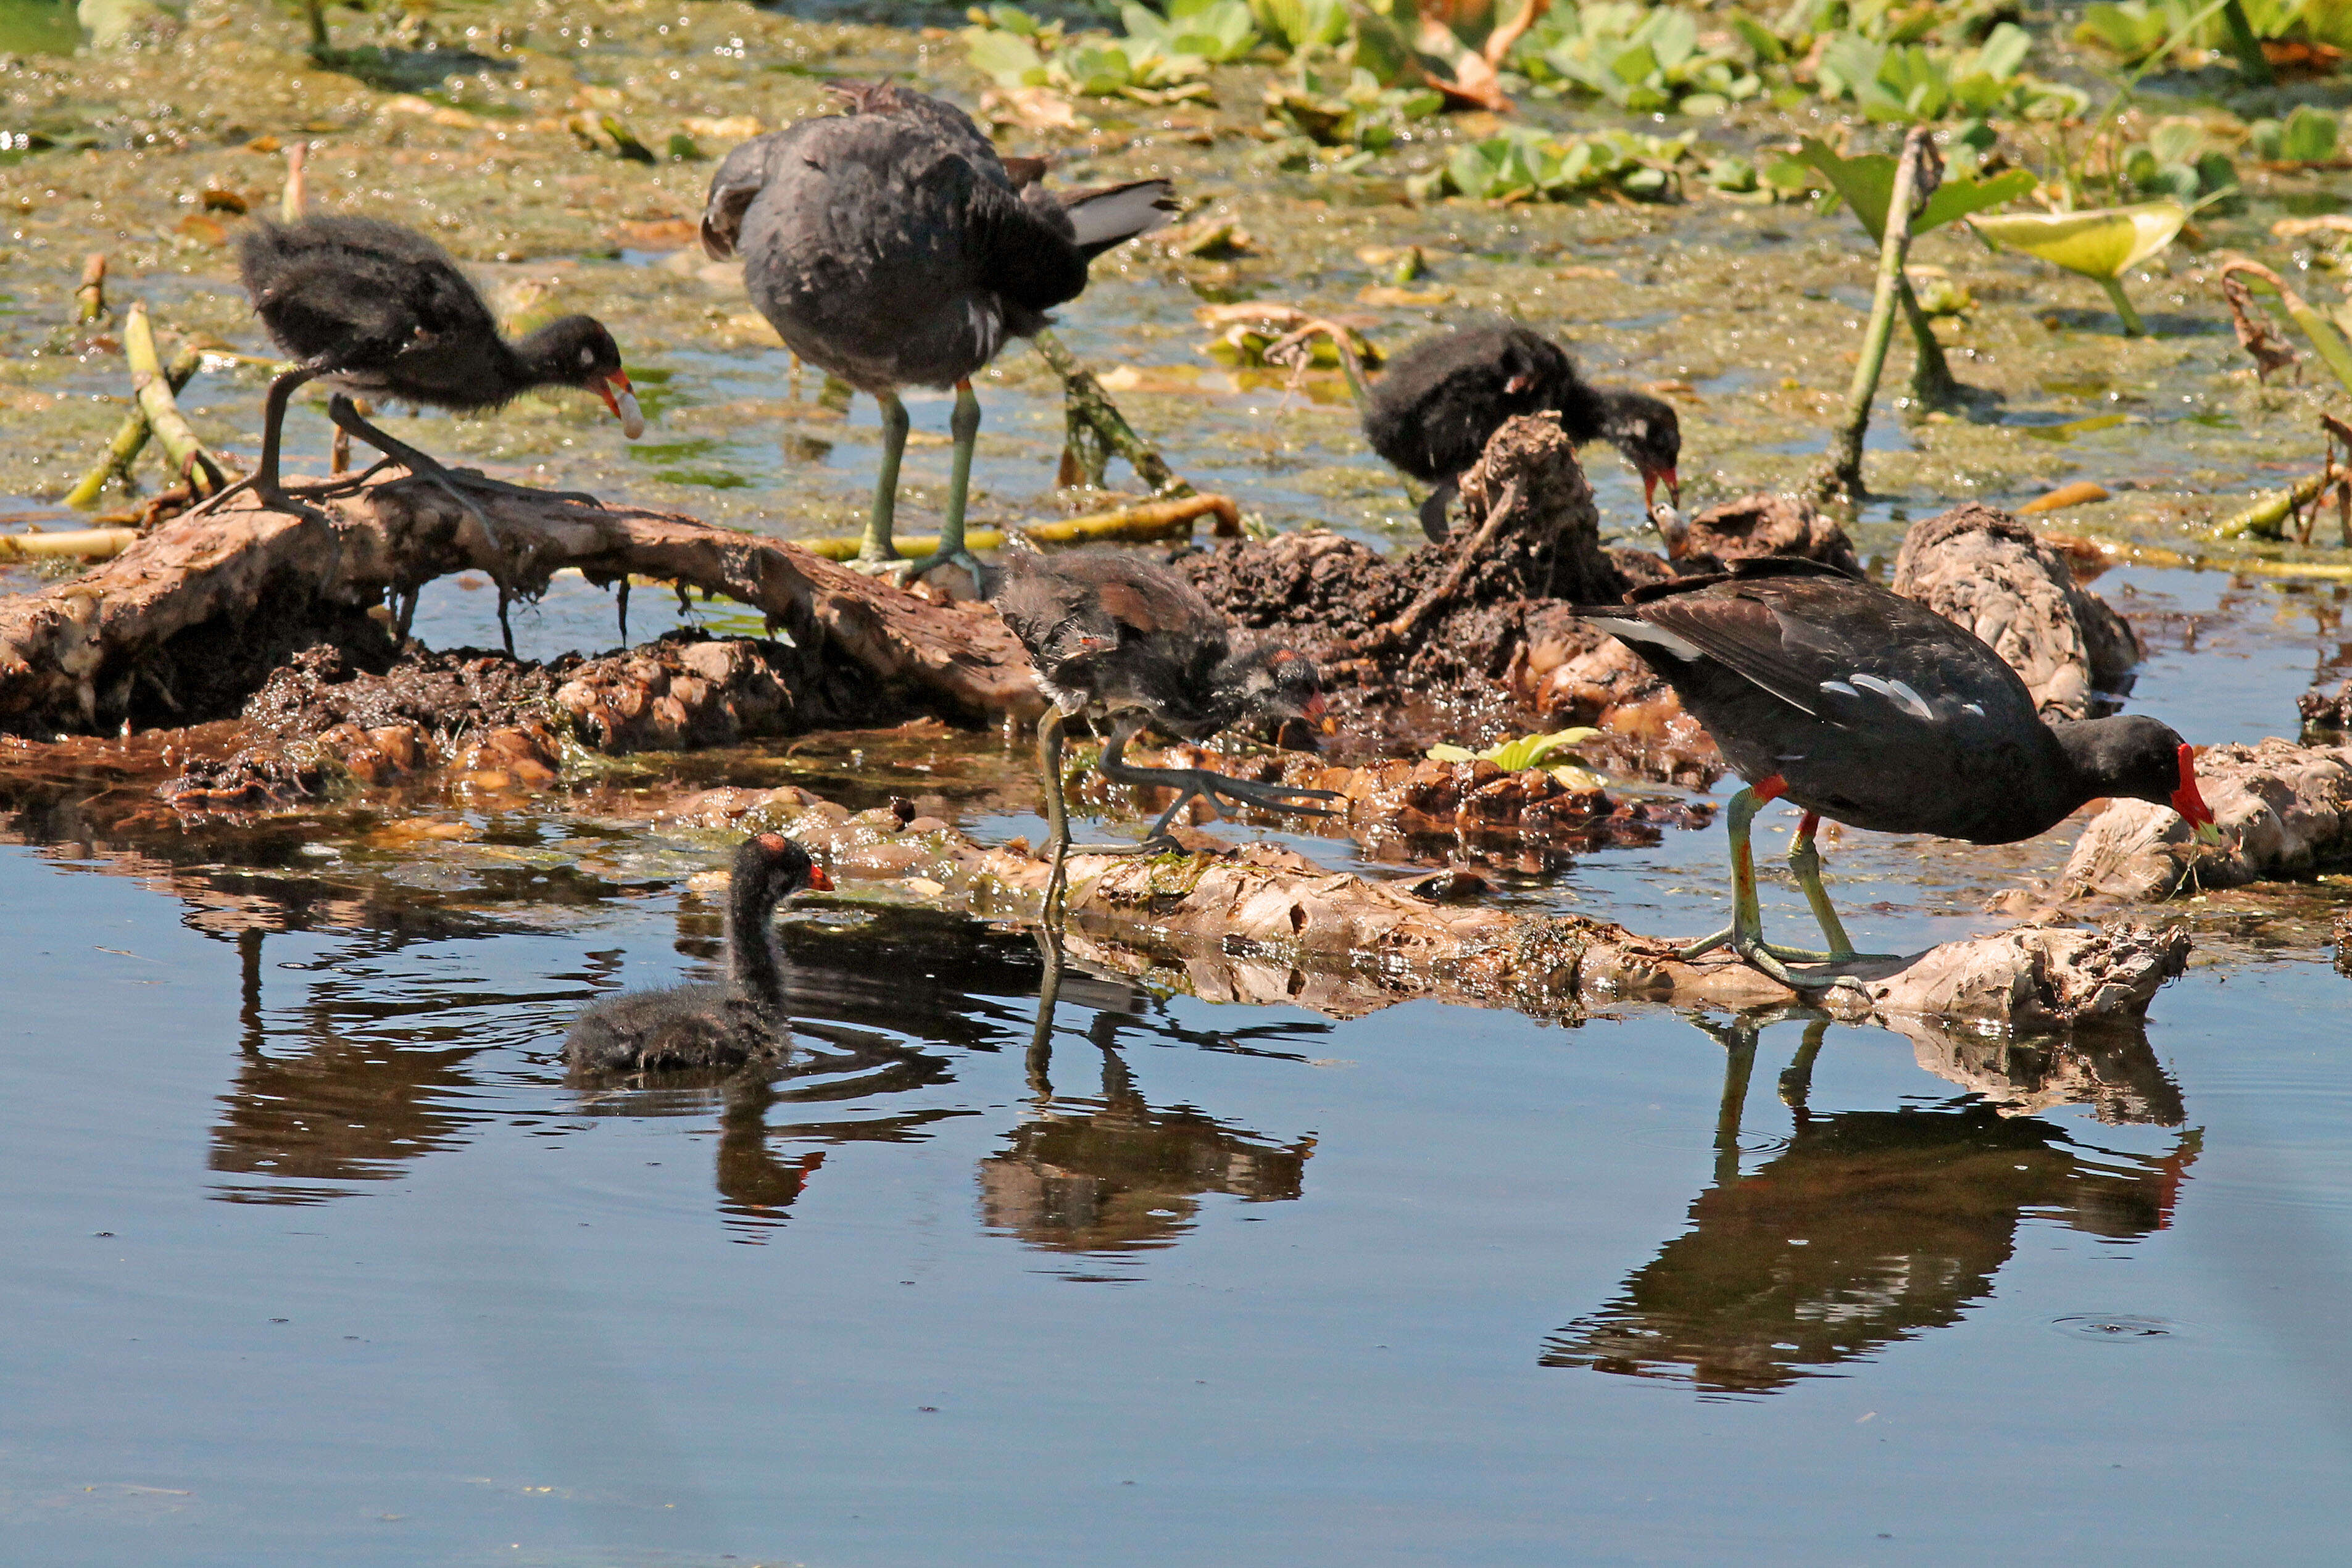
column 1867, row 184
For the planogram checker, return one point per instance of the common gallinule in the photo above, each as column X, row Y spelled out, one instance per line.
column 709, row 1026
column 1865, row 707
column 892, row 246
column 1115, row 632
column 1445, row 394
column 380, row 311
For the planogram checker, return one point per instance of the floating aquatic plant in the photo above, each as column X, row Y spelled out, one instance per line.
column 1016, row 50
column 1640, row 59
column 1525, row 164
column 2101, row 245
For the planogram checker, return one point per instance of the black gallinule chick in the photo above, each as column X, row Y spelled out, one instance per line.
column 1445, row 394
column 709, row 1026
column 1113, row 632
column 379, row 310
column 1869, row 709
column 892, row 246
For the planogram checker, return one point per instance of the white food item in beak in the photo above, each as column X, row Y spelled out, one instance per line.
column 1672, row 529
column 632, row 419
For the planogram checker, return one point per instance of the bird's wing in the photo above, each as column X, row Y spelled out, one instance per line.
column 314, row 314
column 742, row 175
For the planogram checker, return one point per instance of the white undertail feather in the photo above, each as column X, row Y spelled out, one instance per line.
column 1122, row 215
column 1643, row 632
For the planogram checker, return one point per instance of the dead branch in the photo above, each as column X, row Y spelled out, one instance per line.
column 70, row 654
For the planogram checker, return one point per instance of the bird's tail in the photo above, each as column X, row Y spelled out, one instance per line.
column 1113, row 215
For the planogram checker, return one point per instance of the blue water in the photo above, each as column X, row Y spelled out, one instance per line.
column 317, row 1258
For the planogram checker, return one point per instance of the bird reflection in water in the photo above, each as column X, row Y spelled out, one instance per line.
column 1113, row 1175
column 385, row 1071
column 1872, row 1226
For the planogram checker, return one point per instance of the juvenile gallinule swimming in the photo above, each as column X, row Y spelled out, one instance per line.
column 1865, row 707
column 709, row 1026
column 1444, row 394
column 892, row 246
column 380, row 311
column 1113, row 632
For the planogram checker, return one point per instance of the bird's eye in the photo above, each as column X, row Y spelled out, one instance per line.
column 587, row 358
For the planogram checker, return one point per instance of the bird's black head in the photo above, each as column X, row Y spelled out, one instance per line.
column 1647, row 432
column 771, row 868
column 2137, row 757
column 577, row 352
column 1271, row 683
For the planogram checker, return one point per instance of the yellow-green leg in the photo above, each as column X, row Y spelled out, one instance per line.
column 876, row 553
column 1745, row 934
column 1057, row 816
column 963, row 425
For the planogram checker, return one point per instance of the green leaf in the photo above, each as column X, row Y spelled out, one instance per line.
column 1005, row 59
column 1758, row 38
column 2308, row 136
column 1868, row 182
column 2104, row 243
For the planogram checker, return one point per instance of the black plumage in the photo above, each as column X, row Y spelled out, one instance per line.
column 892, row 246
column 1862, row 706
column 382, row 311
column 1445, row 395
column 709, row 1026
column 1118, row 634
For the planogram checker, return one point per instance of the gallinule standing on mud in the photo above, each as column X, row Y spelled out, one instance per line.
column 1121, row 634
column 892, row 246
column 709, row 1026
column 380, row 311
column 1444, row 394
column 1865, row 707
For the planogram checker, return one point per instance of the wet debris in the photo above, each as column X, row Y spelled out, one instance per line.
column 1983, row 569
column 1763, row 524
column 326, row 716
column 1263, row 924
column 2327, row 711
column 1443, row 804
column 2285, row 812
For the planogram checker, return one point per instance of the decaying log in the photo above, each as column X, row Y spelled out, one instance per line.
column 1985, row 571
column 1261, row 923
column 2284, row 810
column 236, row 590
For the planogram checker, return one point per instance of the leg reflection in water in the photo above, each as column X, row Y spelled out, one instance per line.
column 1115, row 1175
column 1867, row 1227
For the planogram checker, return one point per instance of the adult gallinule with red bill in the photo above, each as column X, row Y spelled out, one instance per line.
column 379, row 310
column 707, row 1026
column 1123, row 635
column 893, row 248
column 1865, row 707
column 1445, row 394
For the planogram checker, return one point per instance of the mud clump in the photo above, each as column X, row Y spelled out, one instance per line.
column 1428, row 642
column 1984, row 570
column 2327, row 713
column 440, row 695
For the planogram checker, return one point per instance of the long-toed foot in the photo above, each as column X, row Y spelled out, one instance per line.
column 1264, row 797
column 1774, row 959
column 905, row 573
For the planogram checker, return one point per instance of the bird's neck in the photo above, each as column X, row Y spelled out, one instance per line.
column 539, row 359
column 757, row 966
column 2095, row 758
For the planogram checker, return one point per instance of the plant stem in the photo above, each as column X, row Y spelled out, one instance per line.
column 2133, row 326
column 1932, row 382
column 1842, row 474
column 1097, row 429
column 130, row 437
column 2252, row 64
column 186, row 455
column 90, row 300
